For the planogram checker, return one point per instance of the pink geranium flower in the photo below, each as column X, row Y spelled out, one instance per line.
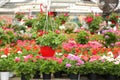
column 94, row 44
column 68, row 65
column 17, row 59
column 94, row 58
column 26, row 58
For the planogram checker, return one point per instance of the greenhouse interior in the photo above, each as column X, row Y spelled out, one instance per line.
column 59, row 39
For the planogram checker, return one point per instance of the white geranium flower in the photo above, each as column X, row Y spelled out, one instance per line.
column 117, row 62
column 110, row 54
column 21, row 31
column 58, row 54
column 3, row 56
column 103, row 57
column 71, row 54
column 109, row 23
column 118, row 57
column 24, row 56
column 26, row 26
column 62, row 27
column 110, row 59
column 19, row 52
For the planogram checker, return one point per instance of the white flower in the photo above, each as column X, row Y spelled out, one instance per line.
column 59, row 54
column 117, row 62
column 26, row 26
column 24, row 56
column 21, row 31
column 110, row 59
column 3, row 56
column 62, row 27
column 19, row 52
column 109, row 23
column 110, row 54
column 118, row 57
column 71, row 54
column 103, row 57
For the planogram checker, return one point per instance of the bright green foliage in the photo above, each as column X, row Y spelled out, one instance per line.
column 82, row 37
column 110, row 38
column 51, row 39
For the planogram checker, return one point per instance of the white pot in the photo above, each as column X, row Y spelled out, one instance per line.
column 11, row 74
column 4, row 75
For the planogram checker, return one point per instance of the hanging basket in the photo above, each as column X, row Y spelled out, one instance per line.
column 47, row 51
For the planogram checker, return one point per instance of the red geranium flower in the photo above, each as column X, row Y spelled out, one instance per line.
column 50, row 13
column 66, row 14
column 89, row 19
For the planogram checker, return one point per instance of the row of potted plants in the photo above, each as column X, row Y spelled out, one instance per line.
column 75, row 64
column 28, row 46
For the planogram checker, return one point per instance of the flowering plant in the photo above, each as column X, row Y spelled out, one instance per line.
column 110, row 64
column 2, row 37
column 49, row 65
column 82, row 37
column 93, row 65
column 29, row 22
column 69, row 47
column 61, row 19
column 93, row 22
column 113, row 17
column 51, row 39
column 23, row 66
column 110, row 38
column 19, row 15
column 6, row 63
column 73, row 64
column 2, row 22
column 40, row 23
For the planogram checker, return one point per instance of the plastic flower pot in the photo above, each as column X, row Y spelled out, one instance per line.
column 47, row 51
column 93, row 76
column 37, row 75
column 110, row 77
column 73, row 76
column 4, row 76
column 46, row 76
column 58, row 74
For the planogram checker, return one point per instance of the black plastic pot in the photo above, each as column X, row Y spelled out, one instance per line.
column 58, row 74
column 46, row 76
column 37, row 75
column 93, row 76
column 73, row 76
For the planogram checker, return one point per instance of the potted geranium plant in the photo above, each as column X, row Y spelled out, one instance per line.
column 47, row 67
column 29, row 22
column 49, row 42
column 113, row 18
column 25, row 67
column 19, row 15
column 72, row 66
column 92, row 67
column 82, row 37
column 5, row 67
column 59, row 67
column 93, row 22
column 61, row 18
column 110, row 38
